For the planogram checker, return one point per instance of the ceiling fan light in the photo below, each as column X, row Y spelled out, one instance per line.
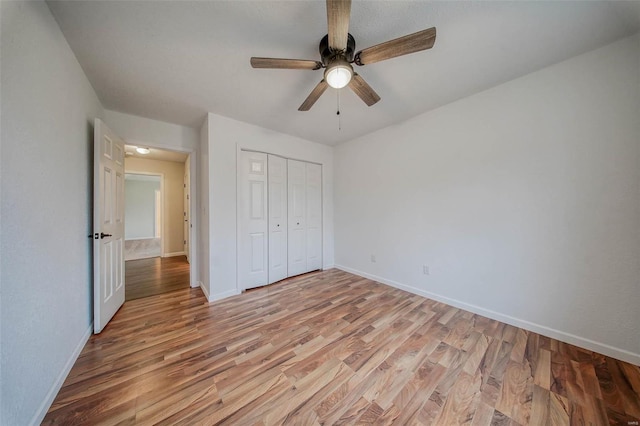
column 142, row 150
column 338, row 73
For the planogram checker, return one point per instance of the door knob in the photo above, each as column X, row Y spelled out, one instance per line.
column 278, row 225
column 102, row 235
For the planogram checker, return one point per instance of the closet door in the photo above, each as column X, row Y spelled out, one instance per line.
column 277, row 175
column 253, row 244
column 314, row 216
column 297, row 246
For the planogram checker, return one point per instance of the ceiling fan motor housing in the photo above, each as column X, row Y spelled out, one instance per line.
column 327, row 54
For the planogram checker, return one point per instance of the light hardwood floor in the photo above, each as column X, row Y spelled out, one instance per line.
column 333, row 348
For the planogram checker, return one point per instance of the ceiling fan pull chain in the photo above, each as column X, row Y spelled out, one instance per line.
column 338, row 110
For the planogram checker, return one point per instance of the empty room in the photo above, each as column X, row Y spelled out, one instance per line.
column 319, row 212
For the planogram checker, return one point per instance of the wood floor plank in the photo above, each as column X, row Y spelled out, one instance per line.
column 516, row 392
column 459, row 406
column 630, row 404
column 591, row 412
column 370, row 415
column 540, row 407
column 542, row 372
column 332, row 348
column 415, row 395
column 350, row 395
column 483, row 415
column 156, row 275
column 559, row 412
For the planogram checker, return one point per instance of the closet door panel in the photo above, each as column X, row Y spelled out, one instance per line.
column 314, row 216
column 277, row 218
column 253, row 244
column 297, row 240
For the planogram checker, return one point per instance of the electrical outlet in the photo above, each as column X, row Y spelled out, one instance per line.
column 373, row 258
column 425, row 270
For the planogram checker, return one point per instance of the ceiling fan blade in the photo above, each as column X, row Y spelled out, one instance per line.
column 313, row 96
column 363, row 90
column 338, row 12
column 411, row 43
column 293, row 64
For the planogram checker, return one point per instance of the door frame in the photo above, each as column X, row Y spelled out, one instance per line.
column 239, row 149
column 186, row 207
column 162, row 218
column 193, row 229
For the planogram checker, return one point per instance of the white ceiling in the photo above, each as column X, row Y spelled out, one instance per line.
column 175, row 61
column 156, row 154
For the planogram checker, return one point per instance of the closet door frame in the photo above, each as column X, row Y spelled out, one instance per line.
column 239, row 150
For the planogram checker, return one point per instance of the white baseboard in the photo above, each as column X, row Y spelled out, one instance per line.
column 327, row 267
column 55, row 388
column 583, row 342
column 173, row 254
column 141, row 257
column 223, row 295
column 204, row 290
column 217, row 296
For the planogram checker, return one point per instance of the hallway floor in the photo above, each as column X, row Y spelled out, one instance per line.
column 157, row 275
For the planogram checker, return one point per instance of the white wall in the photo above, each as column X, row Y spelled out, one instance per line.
column 145, row 131
column 523, row 200
column 202, row 215
column 140, row 207
column 225, row 136
column 47, row 110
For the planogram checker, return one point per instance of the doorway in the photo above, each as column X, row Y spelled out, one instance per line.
column 157, row 222
column 142, row 215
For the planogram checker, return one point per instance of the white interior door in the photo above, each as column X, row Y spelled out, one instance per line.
column 314, row 216
column 108, row 225
column 297, row 217
column 277, row 175
column 186, row 210
column 253, row 244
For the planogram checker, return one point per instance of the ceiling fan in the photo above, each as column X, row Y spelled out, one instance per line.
column 337, row 54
